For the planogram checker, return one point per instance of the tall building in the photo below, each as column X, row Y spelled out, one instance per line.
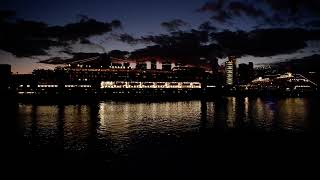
column 5, row 74
column 251, row 71
column 153, row 64
column 141, row 65
column 215, row 66
column 231, row 70
column 166, row 66
column 245, row 73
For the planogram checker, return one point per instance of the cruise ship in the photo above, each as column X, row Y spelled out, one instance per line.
column 288, row 84
column 114, row 81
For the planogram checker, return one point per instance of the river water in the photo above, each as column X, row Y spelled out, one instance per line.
column 175, row 136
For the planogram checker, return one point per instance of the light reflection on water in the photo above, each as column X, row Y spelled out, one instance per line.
column 116, row 125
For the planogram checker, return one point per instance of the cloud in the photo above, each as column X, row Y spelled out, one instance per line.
column 311, row 7
column 100, row 58
column 305, row 64
column 82, row 29
column 192, row 45
column 292, row 11
column 28, row 38
column 179, row 38
column 267, row 12
column 212, row 6
column 238, row 8
column 116, row 24
column 6, row 14
column 264, row 42
column 118, row 53
column 313, row 24
column 221, row 16
column 127, row 38
column 223, row 11
column 206, row 26
column 218, row 10
column 186, row 46
column 174, row 24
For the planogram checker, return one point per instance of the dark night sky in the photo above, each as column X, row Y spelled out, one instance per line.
column 144, row 17
column 137, row 16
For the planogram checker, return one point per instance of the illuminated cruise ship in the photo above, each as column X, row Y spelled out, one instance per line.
column 283, row 84
column 114, row 81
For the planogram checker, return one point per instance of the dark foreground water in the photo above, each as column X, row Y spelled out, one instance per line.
column 182, row 138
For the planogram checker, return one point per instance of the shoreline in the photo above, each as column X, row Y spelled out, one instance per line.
column 93, row 99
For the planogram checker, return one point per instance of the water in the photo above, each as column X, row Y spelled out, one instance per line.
column 163, row 136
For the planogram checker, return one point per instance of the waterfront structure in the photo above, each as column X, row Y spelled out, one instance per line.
column 5, row 76
column 231, row 71
column 284, row 84
column 75, row 81
column 245, row 73
column 166, row 66
column 153, row 64
column 141, row 65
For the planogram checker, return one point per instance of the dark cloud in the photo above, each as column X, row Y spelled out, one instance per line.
column 292, row 11
column 311, row 7
column 191, row 46
column 6, row 14
column 174, row 24
column 206, row 26
column 100, row 58
column 118, row 54
column 85, row 41
column 305, row 64
column 218, row 9
column 221, row 16
column 265, row 42
column 212, row 6
column 188, row 47
column 28, row 38
column 54, row 60
column 238, row 8
column 116, row 24
column 223, row 11
column 182, row 54
column 82, row 29
column 313, row 24
column 282, row 11
column 276, row 19
column 194, row 45
column 179, row 38
column 127, row 38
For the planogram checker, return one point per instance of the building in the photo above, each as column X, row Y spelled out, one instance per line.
column 153, row 64
column 141, row 65
column 5, row 75
column 231, row 70
column 251, row 71
column 215, row 66
column 166, row 66
column 245, row 73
